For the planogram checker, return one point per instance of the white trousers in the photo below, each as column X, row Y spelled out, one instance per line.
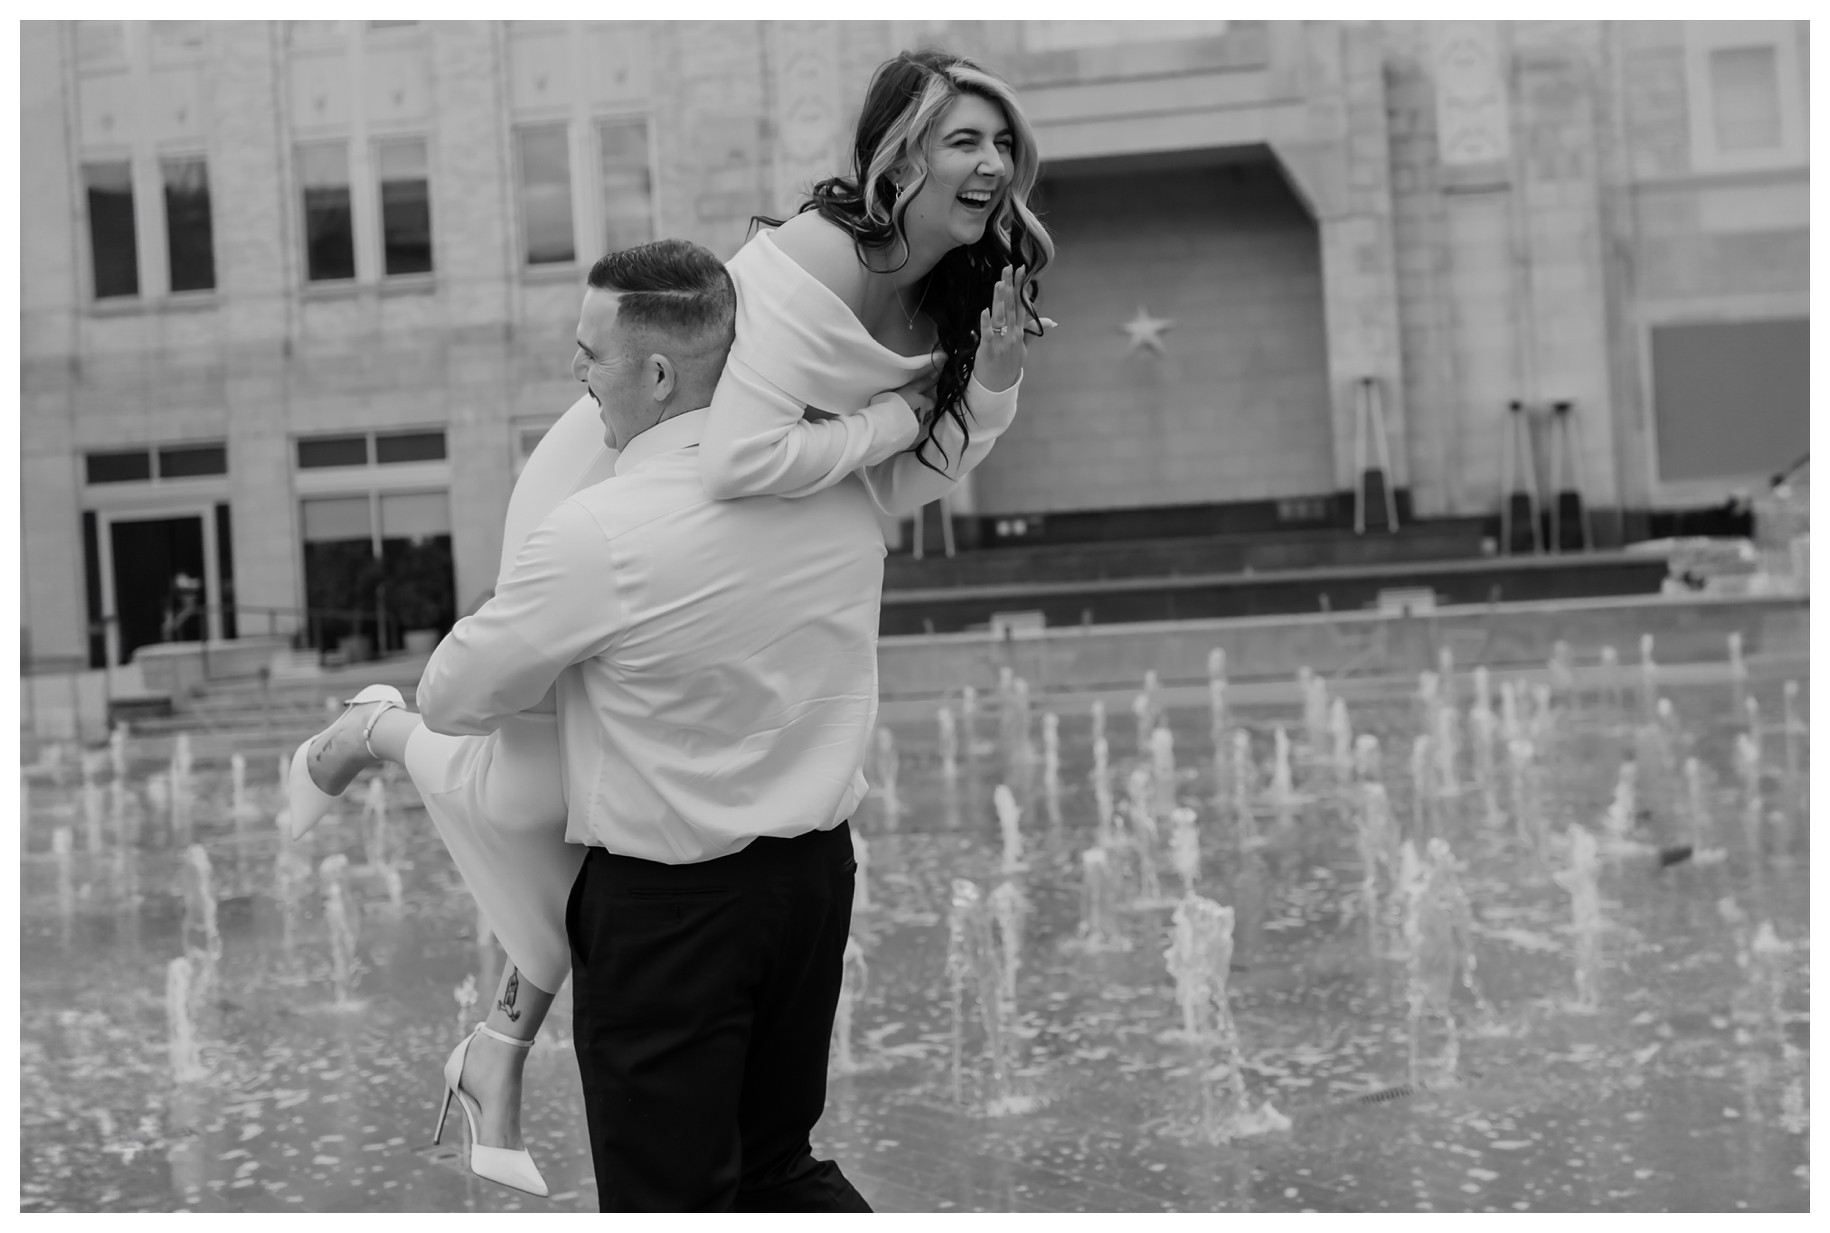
column 498, row 801
column 498, row 805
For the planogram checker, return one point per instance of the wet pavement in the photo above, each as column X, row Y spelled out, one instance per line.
column 1684, row 1088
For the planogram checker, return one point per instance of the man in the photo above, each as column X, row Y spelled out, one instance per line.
column 712, row 733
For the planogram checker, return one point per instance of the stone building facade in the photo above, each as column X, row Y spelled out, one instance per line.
column 297, row 297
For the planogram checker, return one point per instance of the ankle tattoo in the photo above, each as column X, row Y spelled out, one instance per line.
column 506, row 1003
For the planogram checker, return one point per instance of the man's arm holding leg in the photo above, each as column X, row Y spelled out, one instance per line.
column 558, row 606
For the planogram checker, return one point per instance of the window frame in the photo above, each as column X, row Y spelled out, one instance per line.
column 176, row 153
column 1701, row 39
column 85, row 159
column 598, row 121
column 298, row 193
column 567, row 129
column 375, row 142
column 155, row 478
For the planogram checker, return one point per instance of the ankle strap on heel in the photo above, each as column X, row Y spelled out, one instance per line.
column 382, row 707
column 505, row 1039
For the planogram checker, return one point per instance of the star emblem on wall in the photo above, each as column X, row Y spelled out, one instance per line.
column 1146, row 331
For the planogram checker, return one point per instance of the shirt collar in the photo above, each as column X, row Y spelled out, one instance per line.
column 677, row 433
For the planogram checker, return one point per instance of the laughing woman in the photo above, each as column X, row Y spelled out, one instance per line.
column 881, row 330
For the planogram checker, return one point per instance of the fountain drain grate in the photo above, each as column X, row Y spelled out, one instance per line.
column 1389, row 1094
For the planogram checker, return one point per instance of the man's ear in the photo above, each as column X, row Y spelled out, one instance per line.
column 665, row 378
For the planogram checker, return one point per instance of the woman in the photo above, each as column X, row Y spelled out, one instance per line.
column 927, row 252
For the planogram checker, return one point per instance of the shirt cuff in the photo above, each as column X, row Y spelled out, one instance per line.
column 894, row 426
column 992, row 405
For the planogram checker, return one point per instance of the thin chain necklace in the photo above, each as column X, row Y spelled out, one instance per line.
column 910, row 316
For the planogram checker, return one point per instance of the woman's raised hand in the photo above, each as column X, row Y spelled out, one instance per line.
column 1002, row 342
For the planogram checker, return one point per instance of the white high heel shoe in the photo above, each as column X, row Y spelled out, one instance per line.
column 306, row 800
column 510, row 1166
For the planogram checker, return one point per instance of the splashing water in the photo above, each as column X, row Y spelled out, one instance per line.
column 1102, row 794
column 186, row 1059
column 1581, row 880
column 465, row 995
column 341, row 924
column 1315, row 711
column 1438, row 936
column 974, row 966
column 888, row 764
column 1184, row 848
column 1794, row 732
column 861, row 853
column 1340, row 728
column 949, row 744
column 1623, row 811
column 117, row 752
column 1377, row 836
column 1747, row 762
column 1009, row 911
column 202, row 940
column 240, row 808
column 1010, row 816
column 1099, row 905
column 1244, row 781
column 1142, row 833
column 1199, row 958
column 1163, row 774
column 1216, row 699
column 853, row 975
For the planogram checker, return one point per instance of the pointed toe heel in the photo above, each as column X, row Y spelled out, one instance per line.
column 507, row 1166
column 306, row 802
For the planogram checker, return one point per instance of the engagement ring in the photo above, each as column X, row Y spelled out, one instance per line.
column 1000, row 330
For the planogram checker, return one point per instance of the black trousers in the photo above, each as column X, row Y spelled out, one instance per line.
column 703, row 1004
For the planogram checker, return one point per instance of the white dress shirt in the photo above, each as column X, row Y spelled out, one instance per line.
column 715, row 660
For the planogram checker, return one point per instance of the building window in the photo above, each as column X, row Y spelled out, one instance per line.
column 187, row 224
column 173, row 462
column 377, row 564
column 184, row 461
column 546, row 194
column 330, row 243
column 116, row 256
column 628, row 183
column 406, row 207
column 1746, row 89
column 333, row 452
column 389, row 447
column 1744, row 84
column 118, row 467
column 409, row 447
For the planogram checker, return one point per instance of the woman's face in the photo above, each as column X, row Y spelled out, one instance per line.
column 969, row 168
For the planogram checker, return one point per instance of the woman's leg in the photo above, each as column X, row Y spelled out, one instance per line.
column 497, row 803
column 492, row 1070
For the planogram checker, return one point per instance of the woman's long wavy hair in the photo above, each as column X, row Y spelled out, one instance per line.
column 902, row 108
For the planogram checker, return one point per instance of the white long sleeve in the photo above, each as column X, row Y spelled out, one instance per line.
column 904, row 483
column 759, row 440
column 557, row 607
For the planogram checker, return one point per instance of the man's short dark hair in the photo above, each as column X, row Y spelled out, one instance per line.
column 670, row 289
